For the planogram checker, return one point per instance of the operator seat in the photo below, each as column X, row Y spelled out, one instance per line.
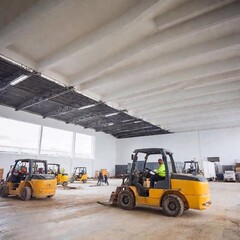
column 138, row 186
column 162, row 184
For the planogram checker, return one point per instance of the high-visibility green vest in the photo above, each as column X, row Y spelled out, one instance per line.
column 161, row 170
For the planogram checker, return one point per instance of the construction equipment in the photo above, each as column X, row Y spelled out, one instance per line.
column 29, row 178
column 176, row 193
column 191, row 167
column 62, row 178
column 79, row 174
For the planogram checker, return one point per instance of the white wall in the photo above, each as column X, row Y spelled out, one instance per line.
column 104, row 150
column 223, row 143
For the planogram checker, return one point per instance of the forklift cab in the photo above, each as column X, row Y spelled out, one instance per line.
column 79, row 174
column 139, row 174
column 191, row 167
column 62, row 178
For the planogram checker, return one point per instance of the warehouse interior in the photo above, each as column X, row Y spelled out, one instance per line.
column 85, row 83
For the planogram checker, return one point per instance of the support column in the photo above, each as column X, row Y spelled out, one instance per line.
column 93, row 155
column 200, row 150
column 72, row 159
column 40, row 141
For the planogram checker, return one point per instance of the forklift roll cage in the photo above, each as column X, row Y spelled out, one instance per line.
column 32, row 165
column 153, row 151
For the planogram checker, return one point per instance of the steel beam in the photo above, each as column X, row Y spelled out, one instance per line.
column 141, row 133
column 117, row 124
column 67, row 109
column 44, row 97
column 6, row 83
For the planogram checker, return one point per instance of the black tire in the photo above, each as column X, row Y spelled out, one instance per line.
column 26, row 193
column 4, row 191
column 126, row 200
column 64, row 184
column 71, row 180
column 172, row 205
column 84, row 181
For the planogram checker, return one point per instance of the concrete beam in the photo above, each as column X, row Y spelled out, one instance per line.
column 197, row 30
column 57, row 77
column 151, row 95
column 20, row 25
column 190, row 94
column 199, row 54
column 188, row 11
column 215, row 125
column 206, row 121
column 202, row 71
column 200, row 101
column 225, row 113
column 19, row 58
column 140, row 12
column 194, row 110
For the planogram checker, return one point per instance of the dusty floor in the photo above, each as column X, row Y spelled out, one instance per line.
column 74, row 214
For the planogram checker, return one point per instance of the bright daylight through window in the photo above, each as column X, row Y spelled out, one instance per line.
column 23, row 138
column 84, row 146
column 18, row 137
column 56, row 142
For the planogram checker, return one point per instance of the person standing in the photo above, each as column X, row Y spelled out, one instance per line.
column 106, row 177
column 100, row 178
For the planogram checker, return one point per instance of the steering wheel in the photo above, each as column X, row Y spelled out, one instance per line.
column 144, row 173
column 23, row 174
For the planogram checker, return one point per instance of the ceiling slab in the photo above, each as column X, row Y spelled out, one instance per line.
column 166, row 63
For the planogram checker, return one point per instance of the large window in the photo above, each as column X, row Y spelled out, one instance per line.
column 84, row 146
column 56, row 142
column 24, row 138
column 18, row 137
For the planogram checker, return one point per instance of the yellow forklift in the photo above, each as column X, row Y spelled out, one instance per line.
column 176, row 193
column 192, row 167
column 29, row 178
column 79, row 174
column 62, row 178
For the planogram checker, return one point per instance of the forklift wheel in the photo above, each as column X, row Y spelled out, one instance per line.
column 64, row 184
column 126, row 200
column 172, row 205
column 84, row 181
column 3, row 191
column 71, row 180
column 26, row 193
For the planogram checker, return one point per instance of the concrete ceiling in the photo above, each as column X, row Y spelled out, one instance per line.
column 174, row 63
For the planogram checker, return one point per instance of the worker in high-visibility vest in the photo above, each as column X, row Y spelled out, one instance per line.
column 160, row 173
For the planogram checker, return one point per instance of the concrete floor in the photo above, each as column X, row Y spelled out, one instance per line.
column 74, row 214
